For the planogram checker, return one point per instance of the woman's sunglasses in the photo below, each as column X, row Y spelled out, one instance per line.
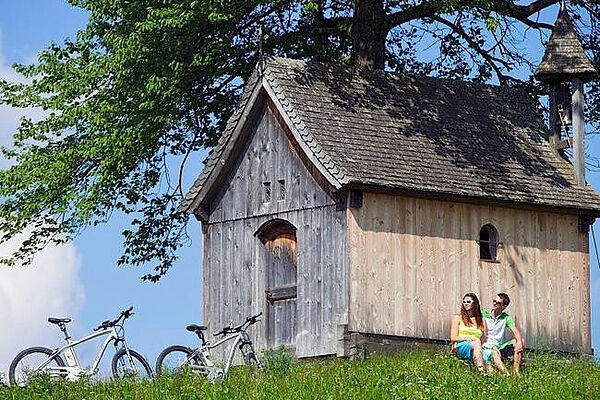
column 467, row 301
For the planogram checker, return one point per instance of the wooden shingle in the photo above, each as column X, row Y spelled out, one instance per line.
column 564, row 58
column 416, row 134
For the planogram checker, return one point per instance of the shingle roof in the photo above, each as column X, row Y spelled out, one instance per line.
column 564, row 58
column 417, row 134
column 216, row 156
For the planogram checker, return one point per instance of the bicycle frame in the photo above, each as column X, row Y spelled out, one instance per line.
column 74, row 371
column 239, row 337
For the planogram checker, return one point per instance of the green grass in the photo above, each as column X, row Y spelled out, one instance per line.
column 411, row 375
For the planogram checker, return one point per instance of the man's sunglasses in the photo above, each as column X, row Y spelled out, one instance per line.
column 498, row 303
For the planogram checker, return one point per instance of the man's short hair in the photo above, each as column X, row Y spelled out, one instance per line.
column 505, row 299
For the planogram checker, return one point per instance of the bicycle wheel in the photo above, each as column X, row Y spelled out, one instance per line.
column 24, row 365
column 124, row 367
column 174, row 359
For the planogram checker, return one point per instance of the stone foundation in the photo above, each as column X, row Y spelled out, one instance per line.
column 358, row 345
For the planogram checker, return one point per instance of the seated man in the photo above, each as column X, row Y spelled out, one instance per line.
column 496, row 321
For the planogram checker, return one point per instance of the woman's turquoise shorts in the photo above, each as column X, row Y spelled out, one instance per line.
column 464, row 351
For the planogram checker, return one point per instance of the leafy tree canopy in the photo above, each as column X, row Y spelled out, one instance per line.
column 149, row 81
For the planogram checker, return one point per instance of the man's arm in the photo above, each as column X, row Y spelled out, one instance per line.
column 519, row 344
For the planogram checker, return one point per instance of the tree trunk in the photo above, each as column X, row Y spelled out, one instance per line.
column 368, row 34
column 321, row 41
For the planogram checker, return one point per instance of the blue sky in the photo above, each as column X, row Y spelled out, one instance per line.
column 81, row 280
column 91, row 288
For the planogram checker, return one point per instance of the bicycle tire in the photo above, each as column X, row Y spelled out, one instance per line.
column 22, row 355
column 162, row 366
column 137, row 357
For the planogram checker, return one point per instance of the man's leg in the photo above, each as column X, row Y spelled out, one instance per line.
column 488, row 359
column 517, row 362
column 509, row 351
column 498, row 361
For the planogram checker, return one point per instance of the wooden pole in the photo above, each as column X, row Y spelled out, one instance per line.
column 578, row 132
column 555, row 123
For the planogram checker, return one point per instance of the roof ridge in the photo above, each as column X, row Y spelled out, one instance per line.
column 397, row 75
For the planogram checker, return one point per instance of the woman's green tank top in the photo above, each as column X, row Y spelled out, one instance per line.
column 469, row 332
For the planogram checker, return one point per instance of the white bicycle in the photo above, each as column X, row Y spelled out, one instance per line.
column 63, row 362
column 174, row 359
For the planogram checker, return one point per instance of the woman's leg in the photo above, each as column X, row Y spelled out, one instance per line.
column 477, row 354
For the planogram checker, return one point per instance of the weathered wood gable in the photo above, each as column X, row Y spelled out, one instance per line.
column 235, row 262
column 269, row 156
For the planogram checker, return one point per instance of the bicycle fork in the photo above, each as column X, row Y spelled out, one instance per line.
column 122, row 364
column 248, row 352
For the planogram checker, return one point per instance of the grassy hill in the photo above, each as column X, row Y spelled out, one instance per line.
column 412, row 375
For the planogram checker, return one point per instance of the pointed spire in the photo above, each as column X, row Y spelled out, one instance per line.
column 564, row 58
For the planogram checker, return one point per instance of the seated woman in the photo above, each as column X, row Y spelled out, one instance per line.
column 468, row 331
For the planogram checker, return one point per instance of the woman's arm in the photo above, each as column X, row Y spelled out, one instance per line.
column 484, row 336
column 454, row 330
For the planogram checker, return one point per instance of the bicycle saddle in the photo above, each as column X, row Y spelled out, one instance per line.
column 59, row 320
column 196, row 328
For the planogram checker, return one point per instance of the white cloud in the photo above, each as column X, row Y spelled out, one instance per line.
column 9, row 117
column 50, row 286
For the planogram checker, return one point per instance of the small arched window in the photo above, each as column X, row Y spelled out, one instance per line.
column 274, row 228
column 488, row 243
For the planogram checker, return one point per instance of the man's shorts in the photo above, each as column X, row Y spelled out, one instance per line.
column 488, row 354
column 507, row 351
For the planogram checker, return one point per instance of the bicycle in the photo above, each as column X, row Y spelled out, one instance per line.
column 174, row 359
column 36, row 361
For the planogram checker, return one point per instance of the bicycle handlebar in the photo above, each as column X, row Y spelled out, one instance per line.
column 124, row 315
column 127, row 313
column 229, row 329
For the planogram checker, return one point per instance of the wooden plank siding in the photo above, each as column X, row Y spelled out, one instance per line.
column 234, row 258
column 410, row 261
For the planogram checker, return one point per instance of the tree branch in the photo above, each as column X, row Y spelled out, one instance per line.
column 491, row 60
column 502, row 7
column 338, row 26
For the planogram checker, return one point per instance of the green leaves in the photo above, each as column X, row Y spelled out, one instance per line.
column 147, row 82
column 311, row 6
column 142, row 84
column 492, row 23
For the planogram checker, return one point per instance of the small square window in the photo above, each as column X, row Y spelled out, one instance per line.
column 266, row 192
column 281, row 183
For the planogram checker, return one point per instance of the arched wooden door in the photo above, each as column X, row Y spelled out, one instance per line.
column 281, row 259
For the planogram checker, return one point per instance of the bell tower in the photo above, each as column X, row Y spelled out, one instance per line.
column 565, row 67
